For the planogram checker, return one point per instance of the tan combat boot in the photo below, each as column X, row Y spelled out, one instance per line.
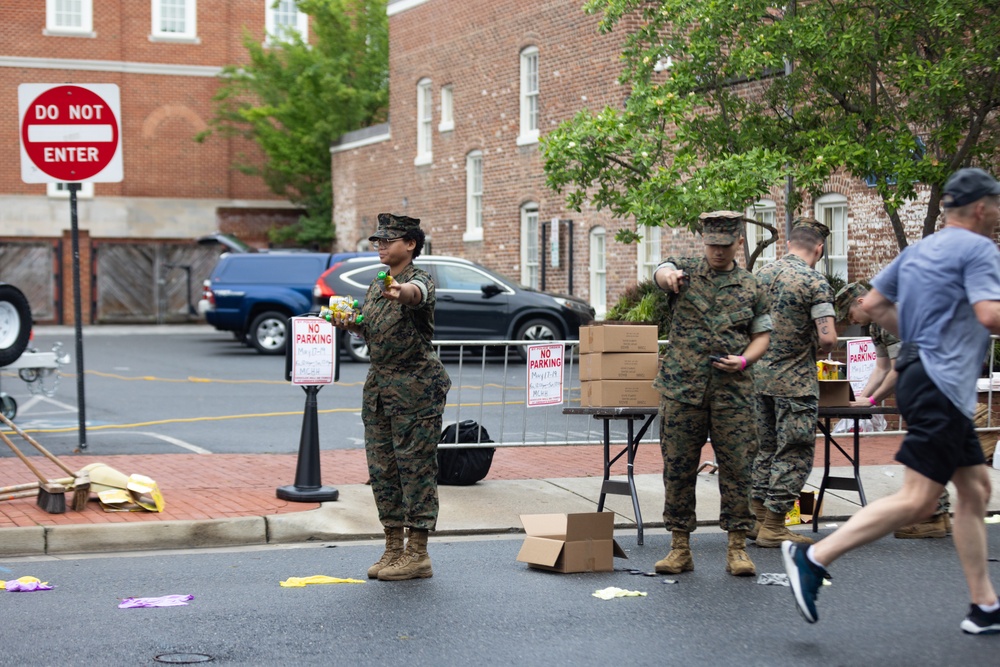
column 774, row 532
column 738, row 563
column 936, row 527
column 393, row 550
column 757, row 507
column 679, row 559
column 413, row 564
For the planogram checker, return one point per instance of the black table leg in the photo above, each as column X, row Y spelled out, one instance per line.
column 607, row 463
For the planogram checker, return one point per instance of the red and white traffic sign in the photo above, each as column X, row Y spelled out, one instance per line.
column 70, row 132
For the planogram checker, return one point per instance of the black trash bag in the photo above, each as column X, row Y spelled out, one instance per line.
column 462, row 466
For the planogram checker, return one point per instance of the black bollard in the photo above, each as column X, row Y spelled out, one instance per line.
column 308, row 488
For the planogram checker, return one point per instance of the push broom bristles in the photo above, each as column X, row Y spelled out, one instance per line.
column 52, row 498
column 81, row 492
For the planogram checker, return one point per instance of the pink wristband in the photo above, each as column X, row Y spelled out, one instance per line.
column 871, row 399
column 743, row 363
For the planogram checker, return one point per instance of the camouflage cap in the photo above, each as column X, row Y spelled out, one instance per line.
column 812, row 223
column 721, row 227
column 391, row 226
column 847, row 295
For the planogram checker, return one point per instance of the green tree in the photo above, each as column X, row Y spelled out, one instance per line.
column 730, row 99
column 293, row 98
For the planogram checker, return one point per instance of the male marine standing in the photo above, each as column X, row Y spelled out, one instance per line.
column 942, row 297
column 786, row 382
column 719, row 329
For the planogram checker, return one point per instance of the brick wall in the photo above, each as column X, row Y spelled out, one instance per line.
column 160, row 114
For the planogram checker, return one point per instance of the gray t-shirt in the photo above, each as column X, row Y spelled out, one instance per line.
column 934, row 284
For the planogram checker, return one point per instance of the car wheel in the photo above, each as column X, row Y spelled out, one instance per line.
column 356, row 348
column 15, row 324
column 268, row 332
column 8, row 406
column 535, row 331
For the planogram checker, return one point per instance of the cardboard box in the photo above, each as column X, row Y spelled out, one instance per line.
column 835, row 393
column 618, row 366
column 618, row 338
column 618, row 394
column 570, row 542
column 804, row 509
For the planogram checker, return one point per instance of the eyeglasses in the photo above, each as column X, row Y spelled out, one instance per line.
column 378, row 243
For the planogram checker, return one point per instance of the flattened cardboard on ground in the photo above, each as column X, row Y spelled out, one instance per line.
column 618, row 366
column 582, row 542
column 618, row 394
column 834, row 393
column 618, row 338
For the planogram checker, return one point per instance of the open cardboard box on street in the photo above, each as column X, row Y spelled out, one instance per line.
column 582, row 542
column 835, row 393
column 805, row 510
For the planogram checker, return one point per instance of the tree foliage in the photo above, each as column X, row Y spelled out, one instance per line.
column 293, row 98
column 729, row 99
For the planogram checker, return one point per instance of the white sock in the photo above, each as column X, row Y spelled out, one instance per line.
column 812, row 558
column 990, row 607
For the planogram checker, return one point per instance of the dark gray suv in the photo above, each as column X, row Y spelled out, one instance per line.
column 473, row 303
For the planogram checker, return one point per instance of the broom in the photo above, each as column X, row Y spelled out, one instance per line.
column 81, row 481
column 51, row 497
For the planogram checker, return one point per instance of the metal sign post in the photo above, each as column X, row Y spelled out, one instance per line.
column 71, row 134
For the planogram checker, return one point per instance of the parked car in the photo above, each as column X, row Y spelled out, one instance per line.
column 473, row 302
column 253, row 294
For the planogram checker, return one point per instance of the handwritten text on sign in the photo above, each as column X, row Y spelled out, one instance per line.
column 545, row 374
column 313, row 351
column 860, row 362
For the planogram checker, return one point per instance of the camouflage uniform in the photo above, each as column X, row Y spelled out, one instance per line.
column 714, row 315
column 786, row 382
column 404, row 398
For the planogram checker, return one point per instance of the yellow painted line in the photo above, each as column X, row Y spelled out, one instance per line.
column 192, row 420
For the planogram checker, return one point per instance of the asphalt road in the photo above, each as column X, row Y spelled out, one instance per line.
column 169, row 390
column 894, row 602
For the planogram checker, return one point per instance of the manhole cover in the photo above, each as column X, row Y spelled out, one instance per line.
column 183, row 658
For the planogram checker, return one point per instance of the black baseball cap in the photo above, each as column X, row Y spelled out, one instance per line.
column 967, row 186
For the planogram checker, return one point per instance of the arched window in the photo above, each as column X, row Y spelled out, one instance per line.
column 649, row 252
column 598, row 271
column 473, row 196
column 764, row 210
column 530, row 259
column 425, row 111
column 831, row 210
column 529, row 96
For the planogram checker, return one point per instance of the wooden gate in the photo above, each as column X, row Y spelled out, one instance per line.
column 154, row 283
column 34, row 268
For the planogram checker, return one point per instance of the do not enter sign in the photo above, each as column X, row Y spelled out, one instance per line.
column 70, row 133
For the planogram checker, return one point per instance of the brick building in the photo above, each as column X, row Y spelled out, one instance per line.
column 165, row 56
column 472, row 86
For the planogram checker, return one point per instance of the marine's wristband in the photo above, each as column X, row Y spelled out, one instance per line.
column 743, row 363
column 871, row 399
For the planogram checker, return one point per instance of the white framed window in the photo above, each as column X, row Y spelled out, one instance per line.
column 764, row 210
column 598, row 271
column 425, row 112
column 447, row 110
column 530, row 259
column 282, row 19
column 529, row 97
column 61, row 191
column 69, row 16
column 831, row 210
column 473, row 196
column 175, row 19
column 649, row 252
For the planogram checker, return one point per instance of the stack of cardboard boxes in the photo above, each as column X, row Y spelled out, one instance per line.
column 618, row 363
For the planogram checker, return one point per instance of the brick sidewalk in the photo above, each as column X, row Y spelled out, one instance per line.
column 217, row 486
